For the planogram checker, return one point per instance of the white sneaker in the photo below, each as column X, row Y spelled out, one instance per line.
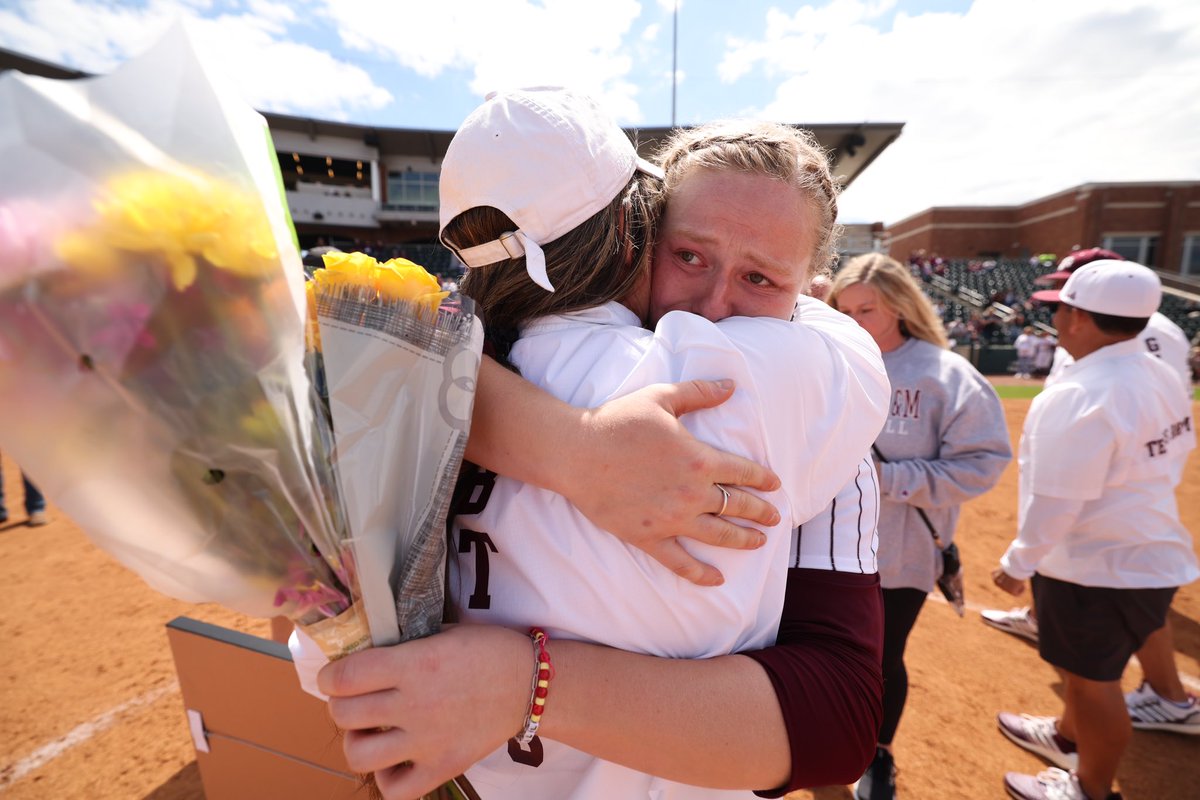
column 1149, row 711
column 1017, row 621
column 1051, row 784
column 1039, row 735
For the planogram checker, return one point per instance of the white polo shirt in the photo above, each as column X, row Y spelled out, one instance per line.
column 1161, row 338
column 1026, row 345
column 1101, row 453
column 811, row 397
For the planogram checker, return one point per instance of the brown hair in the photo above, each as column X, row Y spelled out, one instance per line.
column 587, row 266
column 788, row 154
column 898, row 292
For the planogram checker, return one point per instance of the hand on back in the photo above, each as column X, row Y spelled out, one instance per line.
column 649, row 481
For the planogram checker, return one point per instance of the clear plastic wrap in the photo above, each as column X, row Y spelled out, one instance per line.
column 153, row 374
column 399, row 362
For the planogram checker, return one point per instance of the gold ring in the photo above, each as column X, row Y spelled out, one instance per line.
column 724, row 499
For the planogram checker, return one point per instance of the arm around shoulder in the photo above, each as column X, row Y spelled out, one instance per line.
column 646, row 496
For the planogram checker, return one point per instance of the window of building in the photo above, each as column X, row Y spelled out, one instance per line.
column 1191, row 255
column 1135, row 247
column 327, row 170
column 409, row 190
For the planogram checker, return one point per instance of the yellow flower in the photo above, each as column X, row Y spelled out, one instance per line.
column 349, row 263
column 262, row 423
column 345, row 269
column 398, row 279
column 180, row 222
column 401, row 279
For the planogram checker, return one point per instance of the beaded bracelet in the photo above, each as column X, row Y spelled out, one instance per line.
column 542, row 673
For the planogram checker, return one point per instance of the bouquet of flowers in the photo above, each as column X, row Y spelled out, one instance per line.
column 396, row 362
column 154, row 373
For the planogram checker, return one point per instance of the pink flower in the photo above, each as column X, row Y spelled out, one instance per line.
column 315, row 595
column 125, row 329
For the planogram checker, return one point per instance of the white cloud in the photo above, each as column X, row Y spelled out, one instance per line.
column 503, row 43
column 285, row 76
column 85, row 35
column 1010, row 101
column 272, row 72
column 267, row 10
column 789, row 42
column 282, row 63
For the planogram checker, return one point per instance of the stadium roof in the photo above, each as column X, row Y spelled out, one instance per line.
column 852, row 146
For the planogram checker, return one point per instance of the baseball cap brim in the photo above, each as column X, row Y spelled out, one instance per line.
column 1061, row 275
column 1114, row 288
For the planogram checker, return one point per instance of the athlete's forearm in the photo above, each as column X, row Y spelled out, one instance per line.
column 629, row 466
column 713, row 722
column 802, row 713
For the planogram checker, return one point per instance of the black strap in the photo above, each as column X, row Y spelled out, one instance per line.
column 920, row 511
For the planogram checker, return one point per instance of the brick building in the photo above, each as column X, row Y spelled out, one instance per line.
column 1156, row 224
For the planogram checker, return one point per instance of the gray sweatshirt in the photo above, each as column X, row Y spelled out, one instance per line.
column 945, row 442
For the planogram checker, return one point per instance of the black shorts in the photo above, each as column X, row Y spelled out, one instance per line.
column 1092, row 631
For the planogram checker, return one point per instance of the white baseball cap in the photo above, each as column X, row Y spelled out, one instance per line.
column 547, row 157
column 1119, row 288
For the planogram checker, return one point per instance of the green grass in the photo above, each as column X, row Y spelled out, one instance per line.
column 1026, row 392
column 1020, row 392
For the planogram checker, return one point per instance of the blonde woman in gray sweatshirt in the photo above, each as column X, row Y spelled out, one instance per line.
column 945, row 442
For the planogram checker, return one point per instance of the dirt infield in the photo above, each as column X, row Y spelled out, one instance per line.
column 89, row 707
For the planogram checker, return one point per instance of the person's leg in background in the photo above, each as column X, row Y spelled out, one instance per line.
column 1157, row 657
column 35, row 503
column 3, row 508
column 1162, row 703
column 901, row 608
column 1094, row 717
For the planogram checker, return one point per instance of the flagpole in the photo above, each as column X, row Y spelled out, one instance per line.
column 674, row 58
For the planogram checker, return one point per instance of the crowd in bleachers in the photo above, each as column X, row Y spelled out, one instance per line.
column 982, row 301
column 987, row 301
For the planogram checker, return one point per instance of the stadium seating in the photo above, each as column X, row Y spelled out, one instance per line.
column 966, row 289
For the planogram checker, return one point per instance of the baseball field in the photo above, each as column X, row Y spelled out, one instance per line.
column 90, row 706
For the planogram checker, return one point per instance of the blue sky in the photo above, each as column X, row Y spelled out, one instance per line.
column 1003, row 100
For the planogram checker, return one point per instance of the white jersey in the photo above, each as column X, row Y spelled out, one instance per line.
column 843, row 536
column 1101, row 453
column 811, row 397
column 1026, row 345
column 1161, row 338
column 1043, row 357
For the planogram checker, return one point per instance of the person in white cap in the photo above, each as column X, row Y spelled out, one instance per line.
column 1161, row 337
column 1161, row 702
column 811, row 397
column 1098, row 527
